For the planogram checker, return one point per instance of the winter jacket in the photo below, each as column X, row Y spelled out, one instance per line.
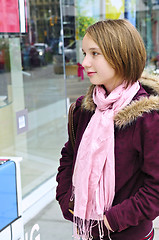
column 136, row 201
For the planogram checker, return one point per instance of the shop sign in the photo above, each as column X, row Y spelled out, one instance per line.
column 22, row 121
column 34, row 233
column 13, row 16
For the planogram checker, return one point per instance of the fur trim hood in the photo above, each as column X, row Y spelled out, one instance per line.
column 137, row 107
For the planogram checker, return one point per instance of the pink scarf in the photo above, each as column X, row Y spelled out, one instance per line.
column 94, row 173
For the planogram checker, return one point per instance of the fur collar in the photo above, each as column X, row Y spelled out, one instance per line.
column 136, row 108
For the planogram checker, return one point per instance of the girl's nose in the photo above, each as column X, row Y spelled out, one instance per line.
column 86, row 62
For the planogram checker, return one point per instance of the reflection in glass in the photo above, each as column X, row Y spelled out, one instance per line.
column 28, row 82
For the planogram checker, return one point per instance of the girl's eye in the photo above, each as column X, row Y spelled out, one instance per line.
column 94, row 53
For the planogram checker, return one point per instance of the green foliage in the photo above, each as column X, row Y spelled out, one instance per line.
column 83, row 23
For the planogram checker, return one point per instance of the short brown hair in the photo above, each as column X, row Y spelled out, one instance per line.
column 122, row 47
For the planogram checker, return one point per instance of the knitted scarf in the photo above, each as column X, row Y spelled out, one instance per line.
column 94, row 172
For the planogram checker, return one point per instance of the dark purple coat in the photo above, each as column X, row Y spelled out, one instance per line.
column 136, row 201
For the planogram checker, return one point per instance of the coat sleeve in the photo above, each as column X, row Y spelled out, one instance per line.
column 145, row 203
column 64, row 180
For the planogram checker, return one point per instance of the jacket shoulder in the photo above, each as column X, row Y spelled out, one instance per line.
column 79, row 101
column 135, row 110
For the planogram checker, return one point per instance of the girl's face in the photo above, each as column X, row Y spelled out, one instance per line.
column 98, row 69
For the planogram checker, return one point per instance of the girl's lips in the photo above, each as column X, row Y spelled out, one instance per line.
column 89, row 74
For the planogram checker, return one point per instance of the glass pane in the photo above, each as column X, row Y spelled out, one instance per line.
column 147, row 22
column 32, row 94
column 77, row 16
column 44, row 93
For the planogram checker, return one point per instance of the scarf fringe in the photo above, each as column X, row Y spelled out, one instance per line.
column 83, row 228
